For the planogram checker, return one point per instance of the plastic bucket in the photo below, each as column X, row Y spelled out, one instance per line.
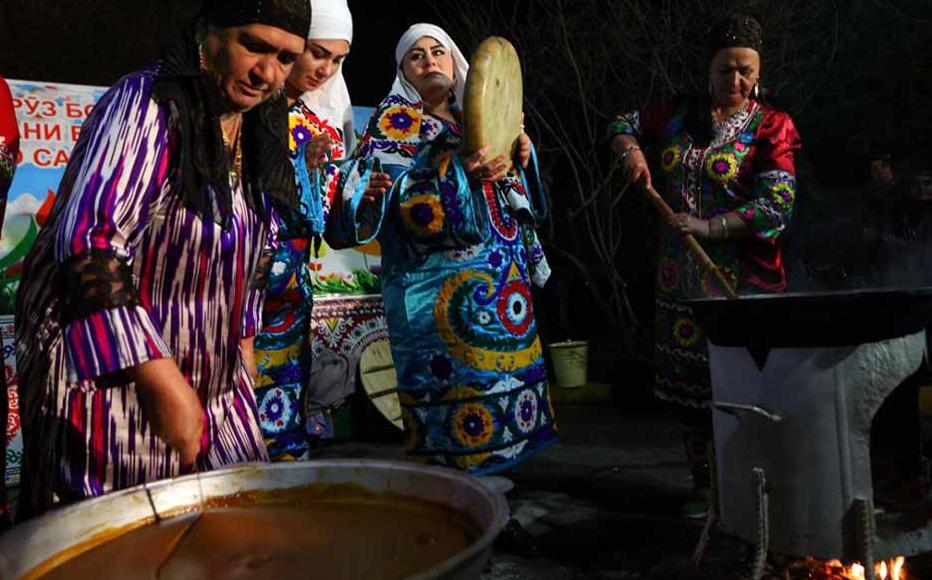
column 570, row 360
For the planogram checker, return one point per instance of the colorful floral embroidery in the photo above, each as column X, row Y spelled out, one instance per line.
column 423, row 214
column 473, row 425
column 476, row 335
column 276, row 411
column 300, row 131
column 670, row 157
column 514, row 307
column 686, row 333
column 784, row 194
column 722, row 166
column 399, row 122
column 526, row 411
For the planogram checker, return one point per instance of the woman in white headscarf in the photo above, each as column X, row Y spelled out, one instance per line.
column 459, row 253
column 320, row 134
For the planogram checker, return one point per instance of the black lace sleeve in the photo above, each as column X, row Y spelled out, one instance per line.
column 99, row 280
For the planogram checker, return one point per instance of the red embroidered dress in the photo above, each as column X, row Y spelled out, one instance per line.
column 749, row 169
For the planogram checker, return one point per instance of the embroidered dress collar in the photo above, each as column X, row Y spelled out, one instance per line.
column 729, row 128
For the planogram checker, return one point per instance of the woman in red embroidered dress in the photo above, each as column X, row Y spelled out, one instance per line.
column 727, row 167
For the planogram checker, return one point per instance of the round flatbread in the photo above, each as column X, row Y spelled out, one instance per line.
column 377, row 374
column 493, row 101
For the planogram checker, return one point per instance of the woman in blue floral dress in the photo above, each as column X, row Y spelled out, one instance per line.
column 320, row 133
column 459, row 256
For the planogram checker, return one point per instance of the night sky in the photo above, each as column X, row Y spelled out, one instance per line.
column 95, row 42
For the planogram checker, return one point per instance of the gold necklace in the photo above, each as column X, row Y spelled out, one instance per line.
column 234, row 148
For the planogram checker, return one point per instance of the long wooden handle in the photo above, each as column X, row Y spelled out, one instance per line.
column 666, row 213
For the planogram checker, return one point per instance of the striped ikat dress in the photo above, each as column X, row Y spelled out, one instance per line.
column 120, row 210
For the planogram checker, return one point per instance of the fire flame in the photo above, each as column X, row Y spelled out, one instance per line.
column 888, row 570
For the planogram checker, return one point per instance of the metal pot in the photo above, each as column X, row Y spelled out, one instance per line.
column 27, row 546
column 839, row 318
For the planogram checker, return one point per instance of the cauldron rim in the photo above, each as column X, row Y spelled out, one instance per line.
column 171, row 497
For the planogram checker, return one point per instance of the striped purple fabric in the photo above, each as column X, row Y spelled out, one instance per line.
column 85, row 433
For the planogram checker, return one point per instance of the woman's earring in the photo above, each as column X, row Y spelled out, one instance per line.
column 757, row 91
column 200, row 56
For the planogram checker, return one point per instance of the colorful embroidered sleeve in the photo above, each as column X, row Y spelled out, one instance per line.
column 9, row 144
column 647, row 124
column 388, row 145
column 774, row 187
column 358, row 222
column 109, row 191
column 392, row 135
column 317, row 188
column 524, row 191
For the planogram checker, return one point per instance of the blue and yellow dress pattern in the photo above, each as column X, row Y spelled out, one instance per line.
column 457, row 265
column 283, row 347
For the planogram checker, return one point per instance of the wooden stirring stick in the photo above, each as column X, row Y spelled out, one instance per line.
column 666, row 213
column 173, row 547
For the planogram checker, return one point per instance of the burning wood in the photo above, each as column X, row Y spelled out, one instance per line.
column 815, row 569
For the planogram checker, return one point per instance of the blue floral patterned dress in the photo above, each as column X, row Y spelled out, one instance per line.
column 457, row 266
column 283, row 348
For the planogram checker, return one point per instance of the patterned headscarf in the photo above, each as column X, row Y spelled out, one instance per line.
column 293, row 16
column 735, row 30
column 333, row 21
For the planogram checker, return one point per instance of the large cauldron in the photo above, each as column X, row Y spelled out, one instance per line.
column 838, row 318
column 25, row 547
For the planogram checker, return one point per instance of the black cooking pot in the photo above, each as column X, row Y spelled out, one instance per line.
column 841, row 318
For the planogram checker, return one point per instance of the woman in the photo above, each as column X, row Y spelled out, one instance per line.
column 728, row 170
column 146, row 277
column 458, row 255
column 9, row 151
column 319, row 107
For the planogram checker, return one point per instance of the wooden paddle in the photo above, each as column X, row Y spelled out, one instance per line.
column 666, row 213
column 188, row 526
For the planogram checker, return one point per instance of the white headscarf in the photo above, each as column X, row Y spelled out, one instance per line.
column 460, row 66
column 331, row 20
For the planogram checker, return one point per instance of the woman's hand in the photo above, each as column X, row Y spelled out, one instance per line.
column 315, row 152
column 688, row 224
column 479, row 169
column 523, row 147
column 171, row 406
column 379, row 183
column 633, row 160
